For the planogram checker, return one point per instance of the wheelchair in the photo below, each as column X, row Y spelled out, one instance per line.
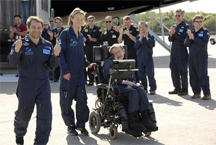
column 108, row 105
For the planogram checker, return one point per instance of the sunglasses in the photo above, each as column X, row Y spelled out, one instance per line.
column 177, row 15
column 51, row 21
column 108, row 21
column 198, row 21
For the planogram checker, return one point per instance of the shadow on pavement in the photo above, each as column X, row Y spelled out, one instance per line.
column 208, row 104
column 125, row 139
column 163, row 100
column 80, row 140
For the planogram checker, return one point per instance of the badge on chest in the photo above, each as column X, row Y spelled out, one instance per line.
column 73, row 43
column 28, row 51
column 46, row 51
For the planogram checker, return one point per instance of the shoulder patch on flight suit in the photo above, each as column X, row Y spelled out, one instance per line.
column 105, row 32
column 86, row 30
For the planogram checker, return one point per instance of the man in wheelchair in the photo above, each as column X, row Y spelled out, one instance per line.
column 140, row 112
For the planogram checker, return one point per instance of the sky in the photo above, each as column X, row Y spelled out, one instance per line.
column 208, row 6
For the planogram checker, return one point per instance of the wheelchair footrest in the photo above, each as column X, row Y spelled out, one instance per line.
column 102, row 86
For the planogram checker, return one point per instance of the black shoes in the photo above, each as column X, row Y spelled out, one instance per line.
column 72, row 131
column 206, row 97
column 83, row 131
column 195, row 96
column 174, row 91
column 179, row 92
column 183, row 93
column 133, row 133
column 90, row 84
column 152, row 92
column 149, row 125
column 19, row 140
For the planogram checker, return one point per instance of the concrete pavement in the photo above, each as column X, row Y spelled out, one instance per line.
column 181, row 120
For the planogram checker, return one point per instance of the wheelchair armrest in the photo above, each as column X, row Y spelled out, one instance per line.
column 102, row 86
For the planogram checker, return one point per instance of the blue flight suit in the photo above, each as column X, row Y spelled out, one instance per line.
column 145, row 61
column 33, row 86
column 131, row 51
column 109, row 35
column 198, row 61
column 72, row 61
column 179, row 57
column 46, row 35
column 137, row 97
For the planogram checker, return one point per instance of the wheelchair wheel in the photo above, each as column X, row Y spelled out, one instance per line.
column 94, row 122
column 113, row 132
column 147, row 134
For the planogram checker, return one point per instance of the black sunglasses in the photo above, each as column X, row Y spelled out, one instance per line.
column 108, row 21
column 177, row 15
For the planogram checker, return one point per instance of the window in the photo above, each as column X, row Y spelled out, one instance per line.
column 44, row 5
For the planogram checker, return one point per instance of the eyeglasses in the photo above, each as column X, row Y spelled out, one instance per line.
column 108, row 21
column 177, row 15
column 51, row 21
column 198, row 21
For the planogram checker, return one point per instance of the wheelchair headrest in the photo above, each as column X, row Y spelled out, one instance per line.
column 100, row 53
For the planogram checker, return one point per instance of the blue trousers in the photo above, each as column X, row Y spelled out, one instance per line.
column 70, row 91
column 137, row 97
column 29, row 95
column 199, row 79
column 147, row 69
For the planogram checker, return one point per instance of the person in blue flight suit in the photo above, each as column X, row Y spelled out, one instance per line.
column 138, row 101
column 179, row 55
column 72, row 83
column 91, row 35
column 47, row 33
column 56, row 33
column 33, row 55
column 197, row 41
column 109, row 35
column 128, row 34
column 144, row 45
